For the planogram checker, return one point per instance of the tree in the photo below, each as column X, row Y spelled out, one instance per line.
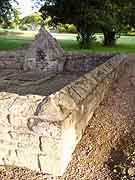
column 33, row 19
column 6, row 11
column 113, row 18
column 129, row 12
column 109, row 16
column 81, row 14
column 13, row 20
column 110, row 21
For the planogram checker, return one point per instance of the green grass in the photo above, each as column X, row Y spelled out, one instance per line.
column 10, row 43
column 126, row 44
column 13, row 39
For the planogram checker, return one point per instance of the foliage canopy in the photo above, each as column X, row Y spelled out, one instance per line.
column 90, row 16
column 7, row 12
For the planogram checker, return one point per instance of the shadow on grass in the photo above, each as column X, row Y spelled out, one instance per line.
column 72, row 45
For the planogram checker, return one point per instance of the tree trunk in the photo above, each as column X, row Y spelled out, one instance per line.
column 85, row 37
column 109, row 38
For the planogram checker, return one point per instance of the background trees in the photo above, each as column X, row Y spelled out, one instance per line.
column 78, row 13
column 31, row 22
column 110, row 17
column 7, row 12
column 87, row 17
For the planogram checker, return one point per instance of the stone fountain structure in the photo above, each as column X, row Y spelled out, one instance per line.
column 40, row 130
column 44, row 54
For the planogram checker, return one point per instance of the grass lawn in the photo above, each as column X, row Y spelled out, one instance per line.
column 12, row 40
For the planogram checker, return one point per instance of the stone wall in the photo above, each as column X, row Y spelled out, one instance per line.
column 84, row 62
column 12, row 59
column 70, row 61
column 41, row 132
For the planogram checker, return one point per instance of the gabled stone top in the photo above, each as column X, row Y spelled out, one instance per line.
column 48, row 43
column 45, row 45
column 44, row 53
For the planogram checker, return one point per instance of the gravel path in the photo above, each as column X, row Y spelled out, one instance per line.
column 107, row 148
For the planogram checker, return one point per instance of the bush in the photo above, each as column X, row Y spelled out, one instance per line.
column 72, row 29
column 23, row 27
column 131, row 33
column 61, row 29
column 86, row 40
column 66, row 28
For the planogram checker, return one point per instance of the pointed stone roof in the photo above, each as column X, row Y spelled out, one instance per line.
column 46, row 44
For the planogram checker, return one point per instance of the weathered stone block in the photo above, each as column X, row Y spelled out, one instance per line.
column 21, row 158
column 44, row 53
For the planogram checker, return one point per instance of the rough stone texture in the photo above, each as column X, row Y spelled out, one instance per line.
column 41, row 132
column 80, row 62
column 107, row 148
column 70, row 62
column 43, row 54
column 12, row 59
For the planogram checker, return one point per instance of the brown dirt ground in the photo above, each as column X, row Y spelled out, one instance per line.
column 107, row 148
column 24, row 83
